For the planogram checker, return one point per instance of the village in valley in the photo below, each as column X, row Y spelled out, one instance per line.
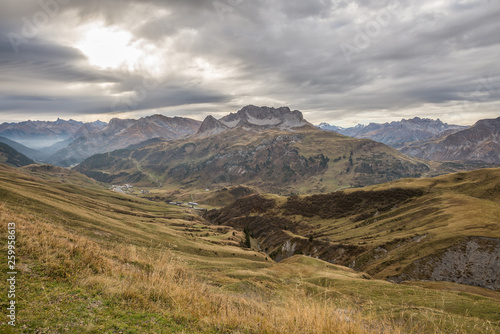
column 128, row 189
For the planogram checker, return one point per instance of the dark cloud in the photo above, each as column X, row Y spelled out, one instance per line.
column 297, row 9
column 401, row 58
column 43, row 61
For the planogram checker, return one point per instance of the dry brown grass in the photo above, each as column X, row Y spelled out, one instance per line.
column 159, row 281
column 80, row 248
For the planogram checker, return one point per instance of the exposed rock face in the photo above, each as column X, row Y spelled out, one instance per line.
column 473, row 261
column 479, row 142
column 265, row 117
column 121, row 133
column 254, row 118
column 396, row 134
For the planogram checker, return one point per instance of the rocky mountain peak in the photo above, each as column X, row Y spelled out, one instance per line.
column 253, row 116
column 210, row 126
column 256, row 118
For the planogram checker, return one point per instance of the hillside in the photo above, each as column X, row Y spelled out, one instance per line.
column 10, row 156
column 479, row 142
column 61, row 175
column 397, row 134
column 304, row 160
column 91, row 260
column 29, row 152
column 121, row 133
column 442, row 229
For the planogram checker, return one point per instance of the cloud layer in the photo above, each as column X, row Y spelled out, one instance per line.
column 342, row 62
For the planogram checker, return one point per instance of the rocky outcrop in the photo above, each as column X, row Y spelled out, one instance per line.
column 472, row 261
column 265, row 117
column 254, row 118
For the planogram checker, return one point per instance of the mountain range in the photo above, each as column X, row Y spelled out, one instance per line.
column 479, row 142
column 39, row 134
column 72, row 141
column 432, row 139
column 397, row 134
column 39, row 140
column 121, row 133
column 272, row 149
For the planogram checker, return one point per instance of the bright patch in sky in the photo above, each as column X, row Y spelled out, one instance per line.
column 109, row 48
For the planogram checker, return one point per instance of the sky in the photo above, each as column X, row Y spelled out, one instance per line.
column 341, row 62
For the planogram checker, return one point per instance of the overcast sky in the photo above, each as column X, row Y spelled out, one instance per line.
column 342, row 62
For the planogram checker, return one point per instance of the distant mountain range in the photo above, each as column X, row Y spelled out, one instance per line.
column 273, row 149
column 40, row 139
column 121, row 133
column 39, row 134
column 432, row 139
column 72, row 142
column 79, row 141
column 397, row 134
column 479, row 142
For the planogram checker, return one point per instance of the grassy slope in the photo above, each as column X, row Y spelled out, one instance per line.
column 387, row 239
column 94, row 261
column 62, row 175
column 12, row 157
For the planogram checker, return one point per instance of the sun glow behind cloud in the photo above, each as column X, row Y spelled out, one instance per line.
column 108, row 48
column 112, row 48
